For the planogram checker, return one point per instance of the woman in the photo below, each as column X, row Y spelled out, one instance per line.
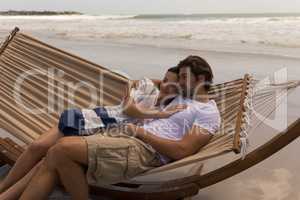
column 135, row 106
column 144, row 101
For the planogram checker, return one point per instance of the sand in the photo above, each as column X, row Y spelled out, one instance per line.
column 274, row 179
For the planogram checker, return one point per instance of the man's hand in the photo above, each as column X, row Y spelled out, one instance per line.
column 176, row 107
column 172, row 110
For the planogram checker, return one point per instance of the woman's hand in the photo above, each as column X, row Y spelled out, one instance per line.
column 126, row 96
column 134, row 83
column 131, row 84
column 131, row 129
column 171, row 110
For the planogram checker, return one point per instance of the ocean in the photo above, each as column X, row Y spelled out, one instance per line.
column 275, row 34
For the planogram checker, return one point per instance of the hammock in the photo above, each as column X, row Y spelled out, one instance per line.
column 46, row 70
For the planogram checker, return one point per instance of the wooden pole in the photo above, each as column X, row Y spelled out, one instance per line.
column 8, row 39
column 261, row 153
column 236, row 141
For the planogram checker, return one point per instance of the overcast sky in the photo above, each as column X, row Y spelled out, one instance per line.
column 155, row 6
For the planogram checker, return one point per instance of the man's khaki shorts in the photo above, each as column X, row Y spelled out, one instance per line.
column 112, row 159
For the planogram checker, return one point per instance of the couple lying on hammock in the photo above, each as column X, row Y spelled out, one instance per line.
column 158, row 126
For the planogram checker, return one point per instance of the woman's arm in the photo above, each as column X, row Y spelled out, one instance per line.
column 156, row 82
column 133, row 110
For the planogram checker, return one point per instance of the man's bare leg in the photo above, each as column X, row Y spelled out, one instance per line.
column 68, row 157
column 41, row 185
column 15, row 191
column 31, row 156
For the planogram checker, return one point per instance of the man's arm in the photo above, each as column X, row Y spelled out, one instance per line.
column 190, row 144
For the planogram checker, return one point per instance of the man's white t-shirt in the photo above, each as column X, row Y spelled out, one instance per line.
column 205, row 115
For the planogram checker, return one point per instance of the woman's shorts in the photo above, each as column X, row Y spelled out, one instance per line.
column 112, row 159
column 80, row 122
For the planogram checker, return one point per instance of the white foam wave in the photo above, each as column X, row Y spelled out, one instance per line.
column 116, row 16
column 281, row 32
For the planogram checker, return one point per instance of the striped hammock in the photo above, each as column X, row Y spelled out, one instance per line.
column 44, row 72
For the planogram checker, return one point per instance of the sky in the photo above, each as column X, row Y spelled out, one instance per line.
column 156, row 6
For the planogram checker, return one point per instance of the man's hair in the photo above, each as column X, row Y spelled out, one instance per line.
column 174, row 70
column 198, row 66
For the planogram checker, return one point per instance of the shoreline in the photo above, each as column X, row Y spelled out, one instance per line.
column 239, row 49
column 181, row 45
column 253, row 50
column 243, row 50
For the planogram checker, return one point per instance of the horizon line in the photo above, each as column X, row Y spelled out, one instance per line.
column 166, row 13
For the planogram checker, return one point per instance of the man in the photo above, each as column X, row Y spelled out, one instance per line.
column 143, row 103
column 113, row 158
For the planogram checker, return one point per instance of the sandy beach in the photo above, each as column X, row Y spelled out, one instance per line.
column 277, row 178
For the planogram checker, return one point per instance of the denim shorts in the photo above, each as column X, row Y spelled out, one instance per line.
column 73, row 122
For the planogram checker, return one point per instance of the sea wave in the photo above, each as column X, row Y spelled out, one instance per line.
column 214, row 16
column 262, row 31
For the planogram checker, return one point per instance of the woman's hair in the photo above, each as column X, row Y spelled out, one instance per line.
column 174, row 70
column 198, row 66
